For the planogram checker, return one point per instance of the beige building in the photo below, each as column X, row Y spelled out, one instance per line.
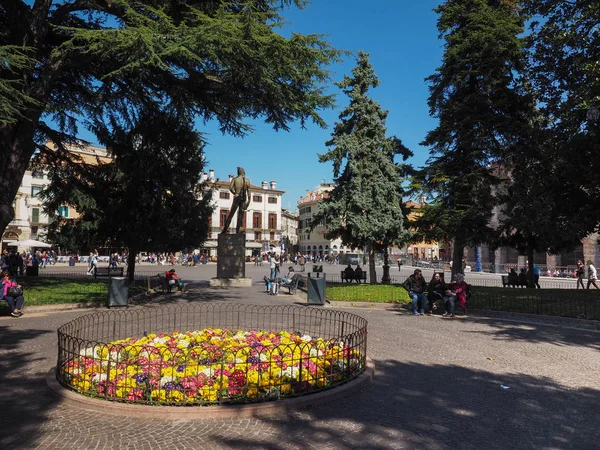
column 289, row 230
column 313, row 242
column 30, row 221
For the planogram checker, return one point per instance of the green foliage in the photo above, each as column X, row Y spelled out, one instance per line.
column 365, row 207
column 476, row 99
column 565, row 71
column 378, row 293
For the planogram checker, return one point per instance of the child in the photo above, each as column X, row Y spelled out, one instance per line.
column 174, row 279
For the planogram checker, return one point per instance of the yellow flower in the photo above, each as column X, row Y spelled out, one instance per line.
column 159, row 394
column 178, row 396
column 252, row 377
column 253, row 393
column 209, row 394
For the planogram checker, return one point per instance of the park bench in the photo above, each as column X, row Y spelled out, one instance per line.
column 108, row 272
column 165, row 287
column 350, row 278
column 293, row 284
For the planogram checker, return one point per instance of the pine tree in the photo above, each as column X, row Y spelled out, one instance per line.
column 365, row 207
column 80, row 62
column 479, row 107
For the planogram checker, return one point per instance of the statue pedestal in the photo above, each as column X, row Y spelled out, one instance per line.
column 231, row 261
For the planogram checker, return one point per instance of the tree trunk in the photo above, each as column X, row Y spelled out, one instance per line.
column 16, row 149
column 372, row 272
column 458, row 248
column 131, row 264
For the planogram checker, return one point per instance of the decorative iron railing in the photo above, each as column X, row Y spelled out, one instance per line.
column 210, row 354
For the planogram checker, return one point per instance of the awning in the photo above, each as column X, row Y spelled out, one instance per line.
column 33, row 243
column 253, row 245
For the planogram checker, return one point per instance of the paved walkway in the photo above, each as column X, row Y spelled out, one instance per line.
column 439, row 385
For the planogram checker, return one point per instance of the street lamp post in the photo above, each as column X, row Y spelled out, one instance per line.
column 478, row 262
column 385, row 279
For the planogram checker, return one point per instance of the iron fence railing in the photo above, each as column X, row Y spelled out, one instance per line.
column 582, row 304
column 210, row 354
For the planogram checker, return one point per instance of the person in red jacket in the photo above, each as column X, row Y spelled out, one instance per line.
column 174, row 279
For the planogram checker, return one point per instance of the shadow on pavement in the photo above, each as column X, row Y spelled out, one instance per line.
column 540, row 333
column 24, row 397
column 419, row 406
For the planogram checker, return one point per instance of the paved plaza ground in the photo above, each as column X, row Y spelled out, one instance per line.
column 438, row 385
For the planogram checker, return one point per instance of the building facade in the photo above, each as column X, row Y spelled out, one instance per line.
column 289, row 230
column 30, row 220
column 313, row 242
column 262, row 222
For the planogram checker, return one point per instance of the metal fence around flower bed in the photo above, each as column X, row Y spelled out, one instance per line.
column 582, row 304
column 210, row 354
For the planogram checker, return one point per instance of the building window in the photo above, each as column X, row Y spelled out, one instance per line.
column 63, row 211
column 308, row 237
column 223, row 217
column 35, row 215
column 273, row 200
column 272, row 236
column 257, row 236
column 37, row 174
column 257, row 220
column 224, row 195
column 272, row 221
column 257, row 198
column 309, row 209
column 35, row 190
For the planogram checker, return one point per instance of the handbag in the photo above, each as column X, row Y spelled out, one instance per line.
column 15, row 291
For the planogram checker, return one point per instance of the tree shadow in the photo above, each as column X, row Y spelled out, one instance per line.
column 24, row 397
column 540, row 333
column 411, row 405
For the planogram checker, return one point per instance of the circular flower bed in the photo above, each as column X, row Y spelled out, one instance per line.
column 211, row 366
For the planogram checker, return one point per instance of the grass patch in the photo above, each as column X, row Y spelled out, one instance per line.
column 371, row 293
column 55, row 291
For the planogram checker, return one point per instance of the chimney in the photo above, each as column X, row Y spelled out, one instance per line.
column 203, row 177
column 211, row 174
column 230, row 177
column 265, row 185
column 273, row 184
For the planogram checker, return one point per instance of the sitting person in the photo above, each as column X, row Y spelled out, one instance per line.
column 523, row 278
column 436, row 290
column 513, row 278
column 349, row 273
column 456, row 292
column 174, row 279
column 358, row 274
column 288, row 277
column 15, row 301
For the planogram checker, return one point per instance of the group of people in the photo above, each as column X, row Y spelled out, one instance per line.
column 273, row 281
column 16, row 263
column 353, row 274
column 424, row 296
column 521, row 279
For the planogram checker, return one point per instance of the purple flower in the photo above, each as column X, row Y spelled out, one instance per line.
column 140, row 378
column 254, row 360
column 171, row 386
column 180, row 368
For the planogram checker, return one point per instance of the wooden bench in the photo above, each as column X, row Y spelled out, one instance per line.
column 108, row 272
column 350, row 278
column 293, row 284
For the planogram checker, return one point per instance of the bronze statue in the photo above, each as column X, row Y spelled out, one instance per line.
column 240, row 188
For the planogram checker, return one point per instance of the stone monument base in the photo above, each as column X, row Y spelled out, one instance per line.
column 230, row 282
column 231, row 261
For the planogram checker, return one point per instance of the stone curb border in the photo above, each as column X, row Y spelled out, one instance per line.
column 210, row 412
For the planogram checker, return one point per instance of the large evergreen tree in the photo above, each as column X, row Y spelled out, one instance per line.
column 77, row 61
column 365, row 207
column 565, row 70
column 148, row 198
column 475, row 97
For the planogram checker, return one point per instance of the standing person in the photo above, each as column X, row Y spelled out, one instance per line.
column 579, row 273
column 536, row 276
column 415, row 285
column 592, row 275
column 436, row 289
column 240, row 188
column 400, row 264
column 302, row 262
column 274, row 265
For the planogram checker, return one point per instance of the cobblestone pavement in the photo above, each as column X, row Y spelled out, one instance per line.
column 439, row 385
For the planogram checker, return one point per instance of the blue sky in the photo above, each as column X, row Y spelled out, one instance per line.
column 402, row 40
